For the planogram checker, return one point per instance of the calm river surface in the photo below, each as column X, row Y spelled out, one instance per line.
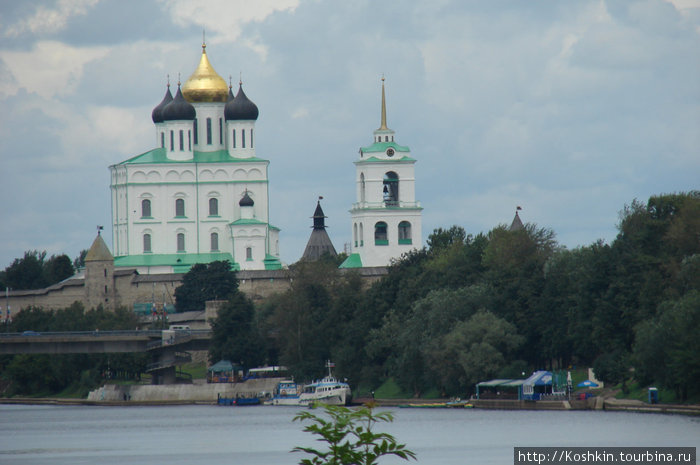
column 200, row 434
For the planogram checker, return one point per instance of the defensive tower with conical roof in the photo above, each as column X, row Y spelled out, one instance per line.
column 386, row 218
column 319, row 243
column 178, row 204
column 99, row 274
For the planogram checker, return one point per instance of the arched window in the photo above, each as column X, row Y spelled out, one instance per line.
column 145, row 208
column 195, row 132
column 243, row 138
column 405, row 233
column 249, row 254
column 213, row 207
column 380, row 234
column 391, row 189
column 162, row 140
column 179, row 207
column 354, row 233
column 234, row 139
column 208, row 131
column 362, row 187
column 221, row 131
column 251, row 138
column 189, row 140
column 147, row 243
column 172, row 141
column 214, row 240
column 182, row 140
column 180, row 242
column 362, row 235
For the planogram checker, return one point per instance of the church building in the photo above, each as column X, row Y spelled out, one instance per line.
column 202, row 194
column 386, row 218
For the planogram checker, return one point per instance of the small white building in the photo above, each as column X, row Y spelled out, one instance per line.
column 202, row 194
column 386, row 218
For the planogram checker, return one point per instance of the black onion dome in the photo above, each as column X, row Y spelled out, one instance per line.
column 246, row 201
column 241, row 108
column 157, row 114
column 179, row 109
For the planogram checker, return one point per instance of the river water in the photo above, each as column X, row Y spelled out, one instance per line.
column 198, row 434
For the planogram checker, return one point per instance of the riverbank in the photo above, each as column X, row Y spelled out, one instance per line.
column 592, row 403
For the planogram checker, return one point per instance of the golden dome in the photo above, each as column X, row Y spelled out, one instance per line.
column 205, row 85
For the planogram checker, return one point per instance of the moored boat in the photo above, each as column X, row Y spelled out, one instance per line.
column 327, row 390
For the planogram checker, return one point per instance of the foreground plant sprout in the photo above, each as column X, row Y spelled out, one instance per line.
column 349, row 436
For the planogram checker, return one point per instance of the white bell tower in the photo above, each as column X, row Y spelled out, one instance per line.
column 386, row 218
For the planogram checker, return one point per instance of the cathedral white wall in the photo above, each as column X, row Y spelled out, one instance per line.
column 240, row 127
column 381, row 255
column 215, row 111
column 173, row 149
column 374, row 182
column 163, row 184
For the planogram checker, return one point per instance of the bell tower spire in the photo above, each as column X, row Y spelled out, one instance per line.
column 383, row 125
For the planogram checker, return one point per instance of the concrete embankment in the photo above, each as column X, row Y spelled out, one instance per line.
column 181, row 393
column 639, row 406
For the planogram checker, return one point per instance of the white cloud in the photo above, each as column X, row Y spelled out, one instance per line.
column 223, row 20
column 49, row 69
column 47, row 20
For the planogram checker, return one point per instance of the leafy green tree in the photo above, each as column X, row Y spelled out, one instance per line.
column 26, row 272
column 480, row 347
column 234, row 336
column 613, row 367
column 667, row 348
column 213, row 281
column 57, row 268
column 350, row 437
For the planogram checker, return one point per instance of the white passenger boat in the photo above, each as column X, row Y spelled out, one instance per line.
column 327, row 390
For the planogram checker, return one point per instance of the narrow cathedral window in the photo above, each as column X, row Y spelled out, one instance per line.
column 179, row 207
column 213, row 207
column 195, row 132
column 405, row 232
column 162, row 140
column 145, row 208
column 249, row 254
column 354, row 230
column 221, row 131
column 251, row 138
column 380, row 234
column 214, row 242
column 243, row 138
column 362, row 187
column 189, row 140
column 180, row 242
column 234, row 139
column 208, row 131
column 172, row 141
column 182, row 140
column 146, row 243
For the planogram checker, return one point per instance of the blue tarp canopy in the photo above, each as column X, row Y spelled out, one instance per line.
column 222, row 366
column 539, row 378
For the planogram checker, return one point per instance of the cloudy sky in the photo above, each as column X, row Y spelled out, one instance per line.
column 568, row 109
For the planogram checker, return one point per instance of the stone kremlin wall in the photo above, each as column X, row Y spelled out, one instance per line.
column 127, row 287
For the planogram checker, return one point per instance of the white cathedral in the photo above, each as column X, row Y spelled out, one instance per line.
column 386, row 218
column 202, row 194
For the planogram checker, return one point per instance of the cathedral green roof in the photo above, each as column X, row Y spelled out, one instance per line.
column 353, row 261
column 382, row 146
column 385, row 160
column 158, row 156
column 181, row 262
column 247, row 221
